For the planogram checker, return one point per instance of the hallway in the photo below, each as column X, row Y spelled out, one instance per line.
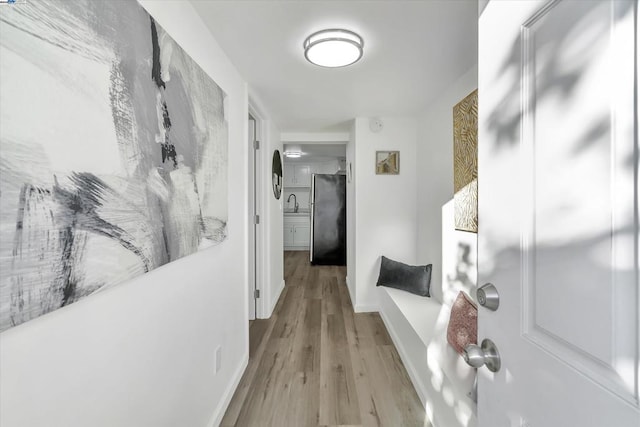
column 317, row 363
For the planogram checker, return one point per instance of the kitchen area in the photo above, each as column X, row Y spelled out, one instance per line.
column 314, row 197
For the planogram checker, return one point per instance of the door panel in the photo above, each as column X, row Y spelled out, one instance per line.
column 573, row 161
column 558, row 196
column 288, row 235
column 301, row 235
column 288, row 175
column 302, row 175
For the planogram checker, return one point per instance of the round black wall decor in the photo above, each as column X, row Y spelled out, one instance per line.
column 276, row 174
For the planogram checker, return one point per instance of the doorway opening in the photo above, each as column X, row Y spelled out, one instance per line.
column 322, row 236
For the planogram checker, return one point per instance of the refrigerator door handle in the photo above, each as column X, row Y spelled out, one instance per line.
column 311, row 209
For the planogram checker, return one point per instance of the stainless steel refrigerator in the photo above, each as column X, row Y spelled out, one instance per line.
column 328, row 220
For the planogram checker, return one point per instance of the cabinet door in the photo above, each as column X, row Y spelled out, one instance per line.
column 302, row 175
column 301, row 235
column 288, row 176
column 288, row 235
column 316, row 168
column 325, row 167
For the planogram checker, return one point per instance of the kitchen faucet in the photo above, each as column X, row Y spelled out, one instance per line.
column 295, row 199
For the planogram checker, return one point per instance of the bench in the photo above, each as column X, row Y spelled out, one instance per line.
column 443, row 381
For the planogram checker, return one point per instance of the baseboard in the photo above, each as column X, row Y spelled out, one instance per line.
column 366, row 308
column 296, row 248
column 275, row 297
column 220, row 410
column 351, row 297
column 442, row 411
column 411, row 370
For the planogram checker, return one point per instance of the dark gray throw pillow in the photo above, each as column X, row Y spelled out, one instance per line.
column 411, row 278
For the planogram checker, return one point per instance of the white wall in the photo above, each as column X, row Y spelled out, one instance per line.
column 385, row 205
column 142, row 353
column 298, row 137
column 435, row 175
column 441, row 378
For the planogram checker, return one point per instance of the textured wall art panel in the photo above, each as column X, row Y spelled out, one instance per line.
column 465, row 163
column 113, row 152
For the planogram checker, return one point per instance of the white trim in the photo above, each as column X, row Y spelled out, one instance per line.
column 416, row 354
column 245, row 196
column 418, row 385
column 351, row 297
column 360, row 308
column 366, row 308
column 260, row 235
column 296, row 248
column 275, row 297
column 221, row 409
column 411, row 370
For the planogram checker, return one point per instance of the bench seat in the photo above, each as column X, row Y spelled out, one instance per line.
column 443, row 381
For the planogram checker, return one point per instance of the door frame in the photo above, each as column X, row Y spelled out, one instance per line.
column 256, row 204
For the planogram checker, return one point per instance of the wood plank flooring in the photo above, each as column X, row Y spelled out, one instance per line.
column 317, row 363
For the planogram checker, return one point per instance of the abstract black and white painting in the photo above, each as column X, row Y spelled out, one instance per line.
column 113, row 152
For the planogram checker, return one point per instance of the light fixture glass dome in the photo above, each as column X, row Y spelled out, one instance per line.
column 293, row 154
column 333, row 48
column 292, row 151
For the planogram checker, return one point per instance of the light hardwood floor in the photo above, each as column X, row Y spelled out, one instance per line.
column 317, row 363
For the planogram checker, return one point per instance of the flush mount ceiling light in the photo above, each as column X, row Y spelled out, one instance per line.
column 333, row 48
column 293, row 151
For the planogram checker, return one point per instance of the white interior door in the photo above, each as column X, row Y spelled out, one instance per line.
column 558, row 206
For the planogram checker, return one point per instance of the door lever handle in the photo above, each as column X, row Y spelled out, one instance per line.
column 486, row 354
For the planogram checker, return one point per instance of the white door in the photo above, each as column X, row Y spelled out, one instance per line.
column 558, row 236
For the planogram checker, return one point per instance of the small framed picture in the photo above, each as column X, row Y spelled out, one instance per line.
column 387, row 162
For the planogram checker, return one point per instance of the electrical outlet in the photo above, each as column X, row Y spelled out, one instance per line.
column 218, row 359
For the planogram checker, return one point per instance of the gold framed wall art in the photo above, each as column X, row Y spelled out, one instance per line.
column 387, row 162
column 465, row 163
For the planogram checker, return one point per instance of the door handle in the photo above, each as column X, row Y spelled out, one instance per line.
column 486, row 354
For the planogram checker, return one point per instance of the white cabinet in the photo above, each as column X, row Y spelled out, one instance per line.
column 288, row 235
column 299, row 174
column 296, row 175
column 302, row 175
column 326, row 167
column 301, row 235
column 287, row 175
column 296, row 232
column 323, row 168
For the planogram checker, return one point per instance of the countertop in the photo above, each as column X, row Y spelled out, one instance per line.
column 301, row 212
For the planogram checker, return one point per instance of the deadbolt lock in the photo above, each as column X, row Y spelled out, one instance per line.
column 487, row 296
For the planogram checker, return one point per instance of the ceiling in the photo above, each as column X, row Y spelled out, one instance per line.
column 412, row 51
